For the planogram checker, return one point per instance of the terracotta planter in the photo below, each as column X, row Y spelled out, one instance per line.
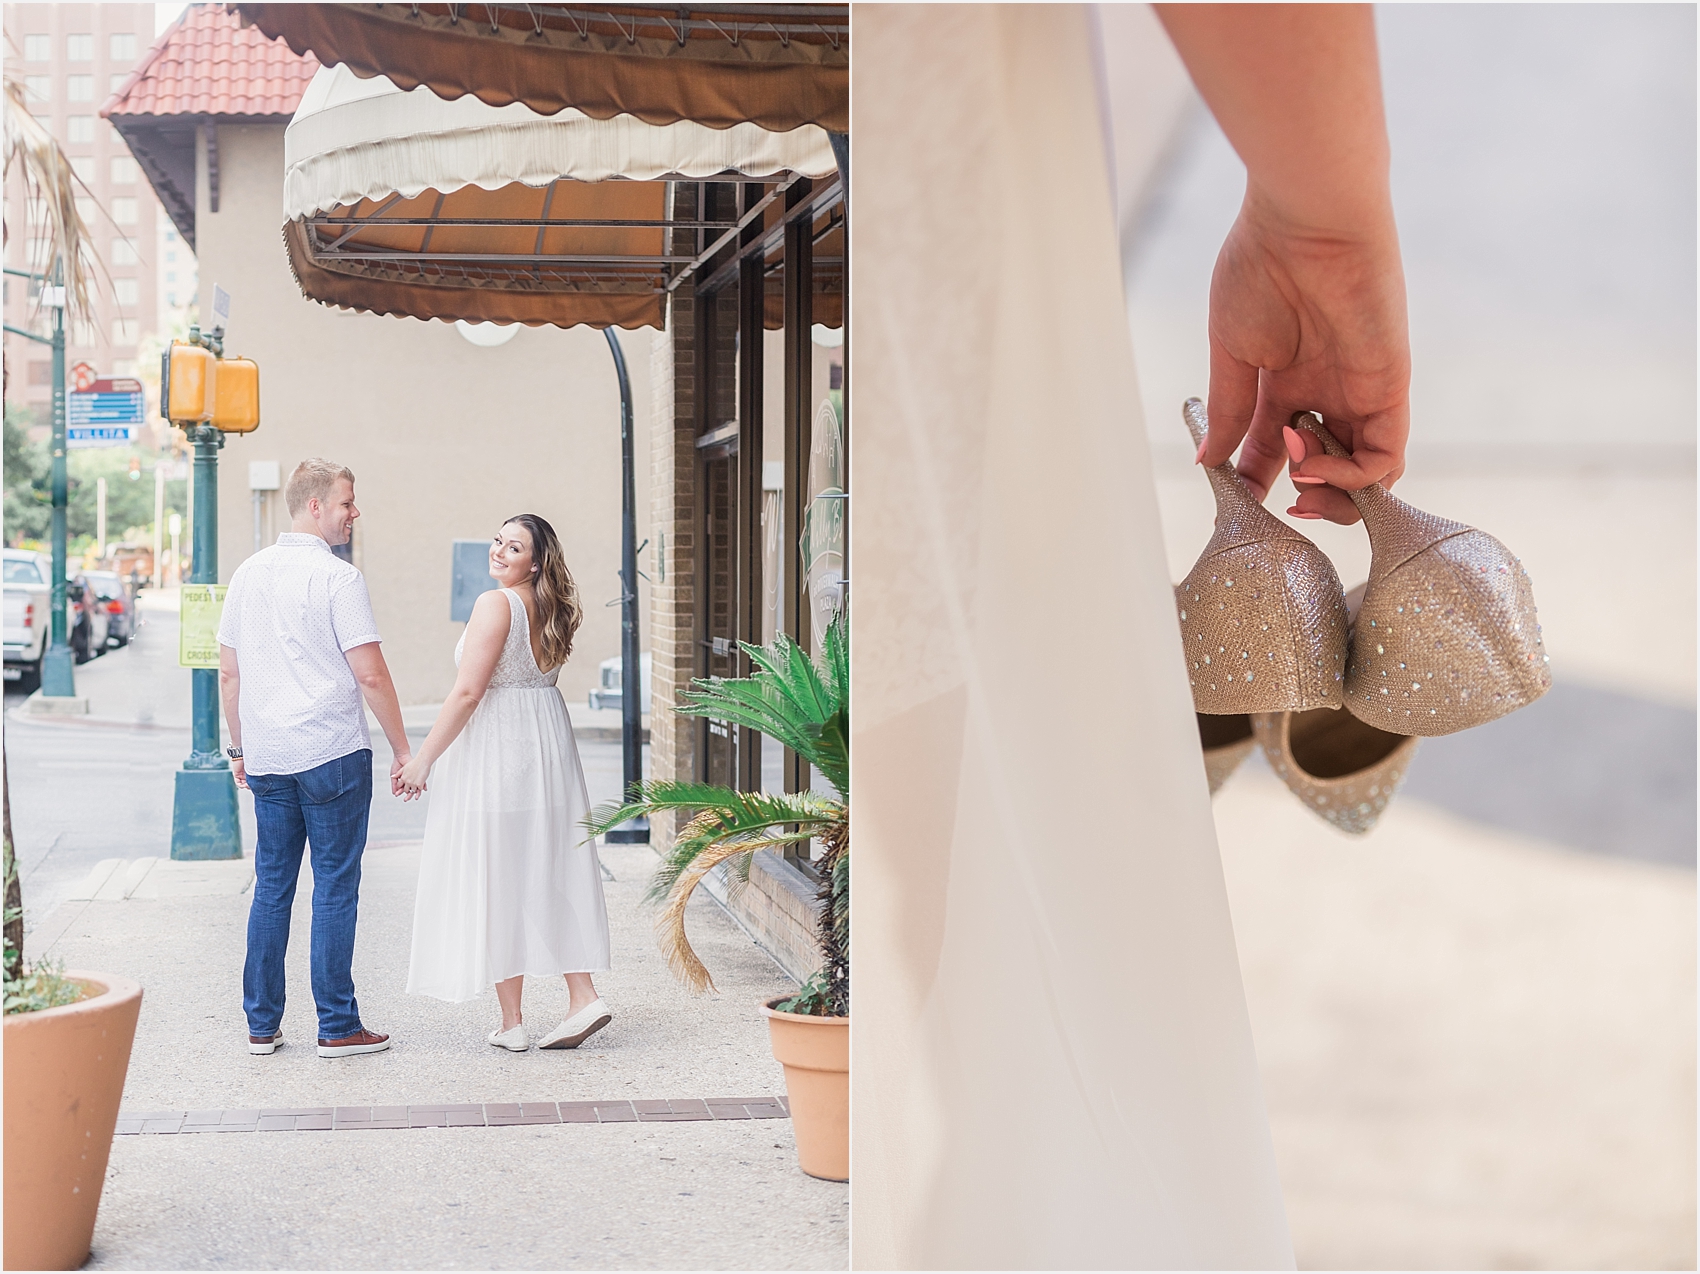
column 815, row 1052
column 64, row 1079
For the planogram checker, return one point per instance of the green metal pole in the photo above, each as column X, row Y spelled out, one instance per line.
column 57, row 678
column 203, row 817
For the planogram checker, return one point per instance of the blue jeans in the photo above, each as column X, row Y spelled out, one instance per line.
column 328, row 806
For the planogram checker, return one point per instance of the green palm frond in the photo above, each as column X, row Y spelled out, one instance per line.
column 744, row 809
column 789, row 700
column 802, row 707
column 723, row 815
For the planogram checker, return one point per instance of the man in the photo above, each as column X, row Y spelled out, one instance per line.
column 298, row 650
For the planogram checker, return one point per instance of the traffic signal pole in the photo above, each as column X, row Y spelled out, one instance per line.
column 203, row 813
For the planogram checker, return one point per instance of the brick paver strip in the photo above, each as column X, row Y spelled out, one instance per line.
column 448, row 1115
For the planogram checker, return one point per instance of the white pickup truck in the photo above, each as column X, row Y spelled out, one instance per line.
column 28, row 613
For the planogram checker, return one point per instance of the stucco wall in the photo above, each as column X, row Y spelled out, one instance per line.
column 445, row 438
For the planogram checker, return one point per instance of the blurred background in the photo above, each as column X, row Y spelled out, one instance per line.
column 1476, row 1025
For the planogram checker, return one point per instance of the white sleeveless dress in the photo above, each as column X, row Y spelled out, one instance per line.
column 508, row 881
column 1052, row 1064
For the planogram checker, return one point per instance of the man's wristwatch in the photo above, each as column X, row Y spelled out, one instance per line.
column 235, row 754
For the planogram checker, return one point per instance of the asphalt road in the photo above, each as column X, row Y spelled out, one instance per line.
column 82, row 792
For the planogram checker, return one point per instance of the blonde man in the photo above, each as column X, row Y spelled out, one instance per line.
column 298, row 652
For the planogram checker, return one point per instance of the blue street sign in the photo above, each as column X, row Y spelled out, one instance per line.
column 106, row 414
column 97, row 435
column 105, row 409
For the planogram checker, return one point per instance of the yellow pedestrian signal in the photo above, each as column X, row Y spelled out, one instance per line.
column 188, row 384
column 237, row 409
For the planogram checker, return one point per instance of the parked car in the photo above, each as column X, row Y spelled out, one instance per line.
column 87, row 620
column 27, row 608
column 609, row 693
column 114, row 593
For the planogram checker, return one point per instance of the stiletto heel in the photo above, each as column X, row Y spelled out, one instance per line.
column 1262, row 614
column 1447, row 636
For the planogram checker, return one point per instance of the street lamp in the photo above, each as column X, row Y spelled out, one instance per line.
column 631, row 669
column 57, row 678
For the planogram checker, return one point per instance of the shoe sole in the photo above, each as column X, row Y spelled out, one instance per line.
column 264, row 1050
column 573, row 1041
column 525, row 1048
column 349, row 1050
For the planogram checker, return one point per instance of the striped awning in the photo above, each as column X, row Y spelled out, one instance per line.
column 400, row 202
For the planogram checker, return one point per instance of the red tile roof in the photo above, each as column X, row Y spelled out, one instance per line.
column 208, row 63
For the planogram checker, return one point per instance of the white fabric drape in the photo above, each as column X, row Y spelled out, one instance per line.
column 1052, row 1066
column 354, row 139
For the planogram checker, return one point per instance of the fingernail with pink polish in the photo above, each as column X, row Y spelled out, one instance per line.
column 1299, row 477
column 1309, row 517
column 1199, row 458
column 1295, row 444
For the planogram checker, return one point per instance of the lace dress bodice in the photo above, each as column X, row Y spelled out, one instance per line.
column 516, row 669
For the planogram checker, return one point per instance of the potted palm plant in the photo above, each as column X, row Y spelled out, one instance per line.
column 806, row 709
column 67, row 1035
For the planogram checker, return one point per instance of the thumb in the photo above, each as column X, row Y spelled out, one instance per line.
column 1233, row 400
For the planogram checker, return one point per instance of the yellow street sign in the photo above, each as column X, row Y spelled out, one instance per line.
column 202, row 606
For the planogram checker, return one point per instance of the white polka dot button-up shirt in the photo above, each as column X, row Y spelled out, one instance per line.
column 290, row 613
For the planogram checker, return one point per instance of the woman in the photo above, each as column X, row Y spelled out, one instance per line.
column 1052, row 1064
column 508, row 882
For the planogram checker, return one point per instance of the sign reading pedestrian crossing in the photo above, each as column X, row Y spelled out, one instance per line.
column 105, row 414
column 200, row 608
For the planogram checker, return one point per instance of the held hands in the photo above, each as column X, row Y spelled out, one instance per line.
column 408, row 775
column 1306, row 319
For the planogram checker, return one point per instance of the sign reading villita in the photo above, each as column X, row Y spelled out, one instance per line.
column 106, row 414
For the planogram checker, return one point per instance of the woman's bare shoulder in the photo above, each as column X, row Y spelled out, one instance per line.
column 489, row 610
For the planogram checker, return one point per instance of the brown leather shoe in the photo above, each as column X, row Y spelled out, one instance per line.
column 264, row 1045
column 362, row 1041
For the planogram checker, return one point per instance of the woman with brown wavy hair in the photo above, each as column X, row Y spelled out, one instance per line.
column 508, row 882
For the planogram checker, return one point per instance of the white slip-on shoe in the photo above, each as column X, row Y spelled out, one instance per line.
column 579, row 1027
column 515, row 1040
column 264, row 1045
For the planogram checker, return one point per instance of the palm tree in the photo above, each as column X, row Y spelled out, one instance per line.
column 51, row 185
column 806, row 709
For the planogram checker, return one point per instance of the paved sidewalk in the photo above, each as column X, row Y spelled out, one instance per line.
column 637, row 1193
column 1477, row 1047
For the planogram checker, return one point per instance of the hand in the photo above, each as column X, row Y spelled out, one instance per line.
column 409, row 778
column 397, row 763
column 241, row 772
column 1304, row 320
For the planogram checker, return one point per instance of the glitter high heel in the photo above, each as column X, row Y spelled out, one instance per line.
column 1262, row 613
column 1342, row 769
column 1447, row 636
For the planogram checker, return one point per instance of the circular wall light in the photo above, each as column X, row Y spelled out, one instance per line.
column 487, row 335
